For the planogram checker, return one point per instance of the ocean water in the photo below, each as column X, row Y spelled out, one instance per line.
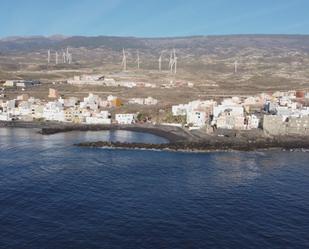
column 55, row 195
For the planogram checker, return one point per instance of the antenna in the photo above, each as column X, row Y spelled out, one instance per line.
column 160, row 63
column 236, row 67
column 48, row 56
column 56, row 57
column 124, row 60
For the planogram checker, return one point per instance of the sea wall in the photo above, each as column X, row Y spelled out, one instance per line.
column 280, row 126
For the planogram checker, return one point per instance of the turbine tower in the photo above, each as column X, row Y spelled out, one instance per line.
column 69, row 58
column 160, row 63
column 236, row 67
column 67, row 55
column 48, row 56
column 64, row 57
column 138, row 60
column 56, row 57
column 171, row 63
column 175, row 62
column 124, row 60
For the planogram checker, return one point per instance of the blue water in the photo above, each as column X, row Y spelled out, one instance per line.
column 54, row 195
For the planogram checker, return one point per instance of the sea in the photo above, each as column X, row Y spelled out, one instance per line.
column 56, row 195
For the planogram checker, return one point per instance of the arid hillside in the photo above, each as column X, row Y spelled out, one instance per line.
column 264, row 62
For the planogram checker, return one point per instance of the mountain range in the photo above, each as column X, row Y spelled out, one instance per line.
column 209, row 44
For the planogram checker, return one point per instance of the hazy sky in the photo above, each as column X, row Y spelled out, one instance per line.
column 153, row 18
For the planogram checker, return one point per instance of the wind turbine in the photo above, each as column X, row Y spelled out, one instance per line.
column 67, row 55
column 56, row 57
column 138, row 60
column 124, row 60
column 175, row 61
column 160, row 63
column 69, row 58
column 48, row 56
column 236, row 67
column 64, row 57
column 171, row 63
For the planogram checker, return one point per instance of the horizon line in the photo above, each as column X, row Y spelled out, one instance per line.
column 151, row 37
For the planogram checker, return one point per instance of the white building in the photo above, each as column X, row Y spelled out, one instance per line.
column 198, row 112
column 284, row 111
column 227, row 121
column 98, row 120
column 143, row 101
column 197, row 118
column 37, row 111
column 285, row 101
column 70, row 102
column 127, row 84
column 4, row 116
column 111, row 98
column 103, row 117
column 24, row 109
column 150, row 85
column 54, row 111
column 234, row 110
column 125, row 118
column 10, row 104
column 110, row 82
column 136, row 101
column 92, row 102
column 150, row 101
column 304, row 111
column 21, row 83
column 87, row 80
column 253, row 122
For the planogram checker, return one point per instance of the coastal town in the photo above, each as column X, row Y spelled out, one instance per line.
column 157, row 124
column 277, row 113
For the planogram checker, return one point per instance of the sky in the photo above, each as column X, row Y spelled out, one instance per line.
column 152, row 18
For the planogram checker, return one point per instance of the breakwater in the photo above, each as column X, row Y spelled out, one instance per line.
column 225, row 144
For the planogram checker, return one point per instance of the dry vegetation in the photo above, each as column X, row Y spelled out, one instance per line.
column 266, row 64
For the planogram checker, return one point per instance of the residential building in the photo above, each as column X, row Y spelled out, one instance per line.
column 128, row 118
column 197, row 118
column 54, row 111
column 143, row 101
column 104, row 117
